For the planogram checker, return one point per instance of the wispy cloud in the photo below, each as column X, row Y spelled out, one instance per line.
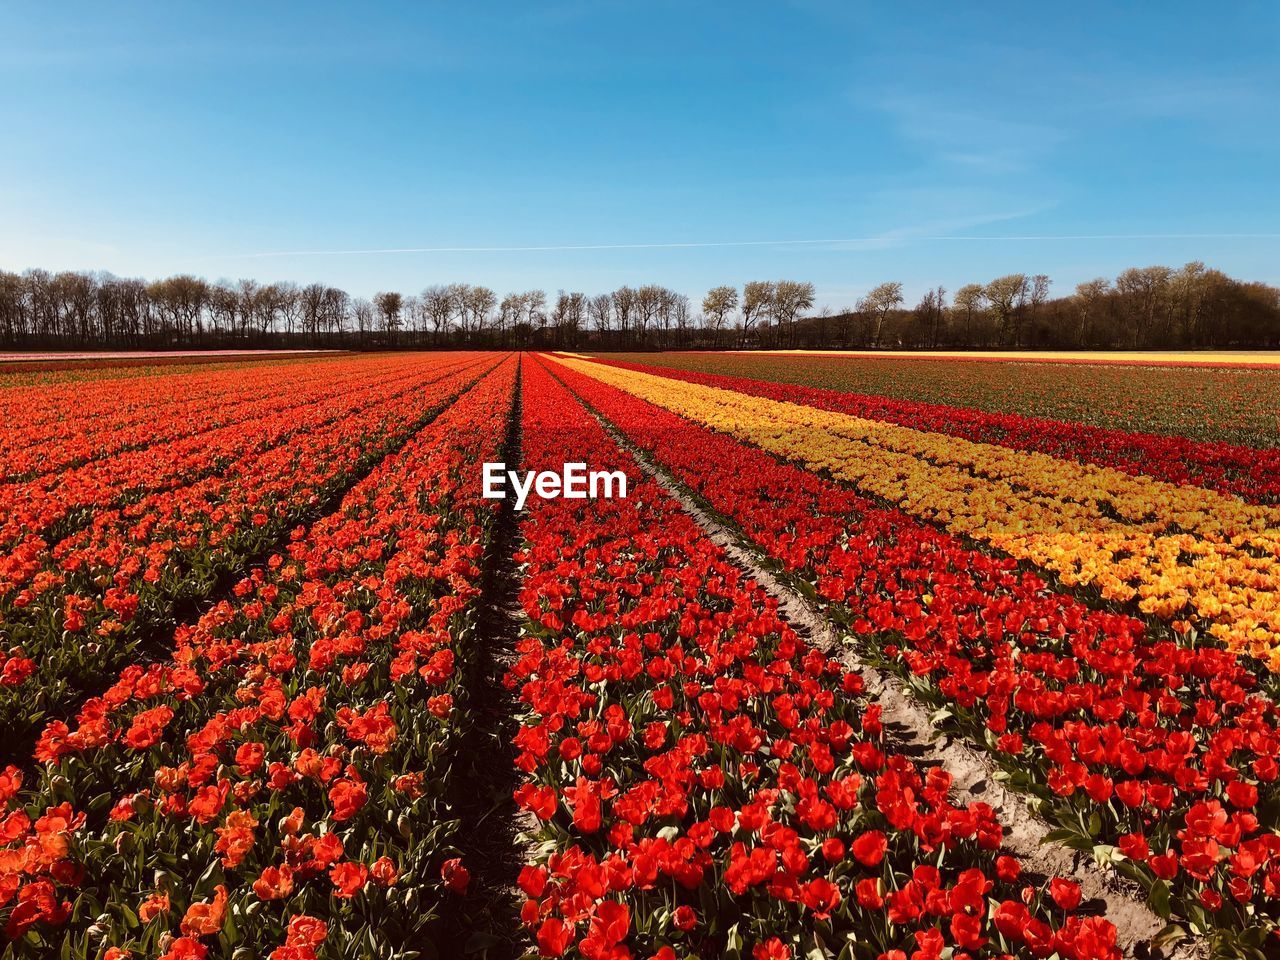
column 960, row 222
column 979, row 141
column 1155, row 96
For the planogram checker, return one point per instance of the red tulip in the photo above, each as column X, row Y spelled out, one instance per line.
column 1065, row 893
column 456, row 877
column 869, row 848
column 348, row 878
column 553, row 937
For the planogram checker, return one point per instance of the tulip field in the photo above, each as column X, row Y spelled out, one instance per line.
column 281, row 679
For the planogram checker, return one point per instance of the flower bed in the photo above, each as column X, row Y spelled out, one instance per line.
column 77, row 424
column 81, row 608
column 58, row 501
column 283, row 776
column 1158, row 755
column 706, row 784
column 1213, row 404
column 1181, row 553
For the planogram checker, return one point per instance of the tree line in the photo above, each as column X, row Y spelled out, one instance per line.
column 1144, row 307
column 1156, row 307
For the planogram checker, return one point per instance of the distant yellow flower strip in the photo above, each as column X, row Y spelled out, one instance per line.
column 1182, row 552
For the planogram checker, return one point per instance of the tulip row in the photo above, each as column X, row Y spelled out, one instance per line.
column 1250, row 473
column 82, row 608
column 58, row 502
column 87, row 404
column 1159, row 755
column 54, row 369
column 88, row 386
column 705, row 783
column 280, row 783
column 1222, row 402
column 94, row 421
column 1181, row 553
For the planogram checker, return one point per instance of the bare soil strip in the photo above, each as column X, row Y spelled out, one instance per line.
column 909, row 724
column 485, row 924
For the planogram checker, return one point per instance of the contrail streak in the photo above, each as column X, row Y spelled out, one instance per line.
column 1026, row 238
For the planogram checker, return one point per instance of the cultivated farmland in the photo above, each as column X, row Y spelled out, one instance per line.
column 875, row 659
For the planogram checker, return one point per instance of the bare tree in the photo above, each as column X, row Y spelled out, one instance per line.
column 480, row 304
column 510, row 312
column 1037, row 296
column 76, row 294
column 363, row 315
column 182, row 300
column 567, row 315
column 879, row 302
column 290, row 307
column 105, row 322
column 624, row 302
column 929, row 316
column 535, row 310
column 682, row 317
column 13, row 314
column 247, row 293
column 437, row 305
column 1189, row 288
column 1090, row 298
column 666, row 312
column 600, row 309
column 1146, row 290
column 789, row 298
column 1006, row 296
column 272, row 303
column 312, row 297
column 415, row 320
column 41, row 303
column 716, row 307
column 970, row 299
column 757, row 304
column 334, row 307
column 459, row 294
column 648, row 301
column 389, row 305
column 135, row 310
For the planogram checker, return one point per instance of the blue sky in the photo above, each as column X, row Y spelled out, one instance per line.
column 226, row 139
